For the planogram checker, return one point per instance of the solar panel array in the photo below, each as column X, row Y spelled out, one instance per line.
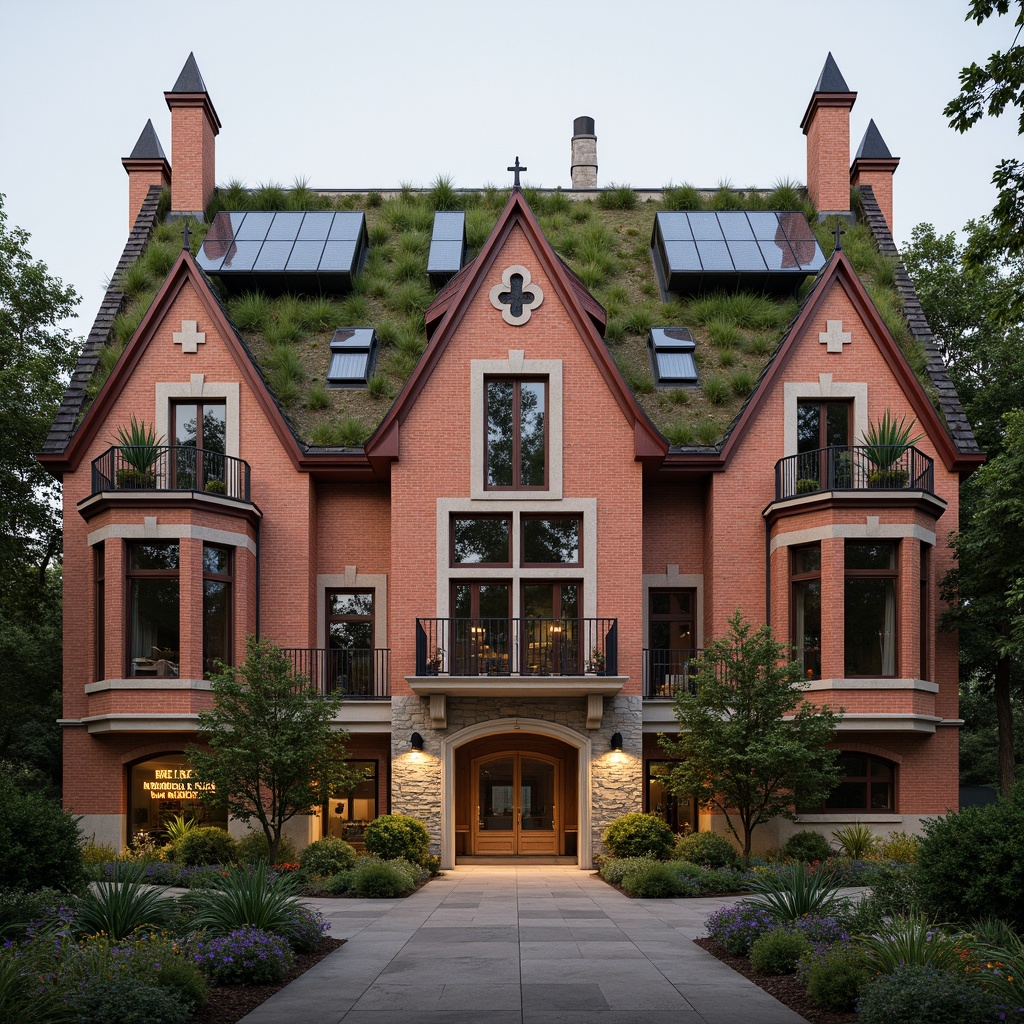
column 314, row 251
column 447, row 246
column 353, row 357
column 671, row 350
column 765, row 251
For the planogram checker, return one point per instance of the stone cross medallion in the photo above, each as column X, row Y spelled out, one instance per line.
column 189, row 337
column 516, row 297
column 835, row 337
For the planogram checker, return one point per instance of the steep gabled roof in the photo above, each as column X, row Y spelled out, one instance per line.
column 185, row 271
column 451, row 304
column 839, row 273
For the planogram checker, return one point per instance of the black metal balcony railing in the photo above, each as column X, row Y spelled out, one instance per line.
column 360, row 674
column 854, row 468
column 170, row 468
column 523, row 647
column 668, row 671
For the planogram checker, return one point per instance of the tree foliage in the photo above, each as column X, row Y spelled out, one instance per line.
column 273, row 752
column 750, row 746
column 986, row 91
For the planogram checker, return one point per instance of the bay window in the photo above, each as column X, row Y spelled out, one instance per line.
column 153, row 608
column 805, row 608
column 871, row 587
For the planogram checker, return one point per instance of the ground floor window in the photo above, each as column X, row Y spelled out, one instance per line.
column 162, row 788
column 868, row 784
column 348, row 811
column 678, row 813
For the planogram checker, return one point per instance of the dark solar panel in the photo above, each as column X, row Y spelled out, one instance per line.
column 682, row 255
column 273, row 256
column 674, row 226
column 305, row 255
column 242, row 257
column 746, row 255
column 705, row 225
column 316, row 225
column 353, row 351
column 734, row 225
column 254, row 227
column 339, row 256
column 449, row 225
column 285, row 227
column 348, row 367
column 672, row 358
column 347, row 225
column 714, row 255
column 676, row 367
column 444, row 256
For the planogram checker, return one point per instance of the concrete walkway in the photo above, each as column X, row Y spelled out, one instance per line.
column 520, row 945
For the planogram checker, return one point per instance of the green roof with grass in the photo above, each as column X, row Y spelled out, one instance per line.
column 603, row 238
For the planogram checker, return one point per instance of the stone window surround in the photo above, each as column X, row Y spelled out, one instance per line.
column 447, row 574
column 352, row 579
column 823, row 388
column 517, row 365
column 673, row 579
column 198, row 388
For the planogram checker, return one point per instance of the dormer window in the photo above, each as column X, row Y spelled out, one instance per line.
column 353, row 357
column 671, row 350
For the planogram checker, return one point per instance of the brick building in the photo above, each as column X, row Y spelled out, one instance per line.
column 497, row 470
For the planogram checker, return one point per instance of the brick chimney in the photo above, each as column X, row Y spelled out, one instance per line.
column 194, row 126
column 584, row 153
column 874, row 165
column 826, row 123
column 146, row 166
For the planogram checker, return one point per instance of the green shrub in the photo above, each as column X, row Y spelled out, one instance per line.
column 792, row 892
column 614, row 869
column 19, row 908
column 253, row 847
column 374, row 879
column 913, row 994
column 393, row 836
column 252, row 897
column 777, row 952
column 123, row 999
column 894, row 892
column 118, row 908
column 327, row 857
column 658, row 881
column 807, row 846
column 899, row 846
column 706, row 848
column 206, row 845
column 638, row 835
column 39, row 842
column 340, row 884
column 98, row 853
column 856, row 841
column 835, row 981
column 185, row 980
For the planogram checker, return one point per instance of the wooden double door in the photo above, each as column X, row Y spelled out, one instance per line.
column 515, row 806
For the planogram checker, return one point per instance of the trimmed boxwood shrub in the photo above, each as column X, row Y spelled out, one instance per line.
column 394, row 836
column 327, row 857
column 657, row 881
column 913, row 994
column 834, row 982
column 706, row 848
column 123, row 999
column 807, row 846
column 777, row 952
column 207, row 845
column 373, row 879
column 638, row 835
column 254, row 847
column 39, row 842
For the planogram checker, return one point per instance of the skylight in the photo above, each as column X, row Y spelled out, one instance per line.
column 671, row 350
column 757, row 251
column 447, row 246
column 317, row 251
column 353, row 357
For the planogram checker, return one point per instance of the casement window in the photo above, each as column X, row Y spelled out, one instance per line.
column 805, row 608
column 924, row 610
column 99, row 611
column 551, row 540
column 868, row 784
column 349, row 810
column 871, row 626
column 217, row 607
column 821, row 425
column 516, row 444
column 350, row 641
column 200, row 434
column 152, row 578
column 481, row 540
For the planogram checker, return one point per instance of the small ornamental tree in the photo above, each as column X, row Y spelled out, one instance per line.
column 274, row 752
column 749, row 745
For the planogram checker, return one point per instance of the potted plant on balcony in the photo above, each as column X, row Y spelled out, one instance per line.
column 884, row 445
column 435, row 661
column 597, row 661
column 139, row 451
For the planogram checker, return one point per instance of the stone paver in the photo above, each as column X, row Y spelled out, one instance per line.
column 520, row 945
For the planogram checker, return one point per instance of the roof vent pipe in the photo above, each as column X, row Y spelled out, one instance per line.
column 584, row 153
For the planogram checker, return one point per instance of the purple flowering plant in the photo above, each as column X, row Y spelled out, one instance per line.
column 737, row 927
column 247, row 956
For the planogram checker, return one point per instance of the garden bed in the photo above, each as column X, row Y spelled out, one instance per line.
column 230, row 1003
column 783, row 987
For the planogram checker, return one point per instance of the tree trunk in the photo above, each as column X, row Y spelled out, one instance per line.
column 1004, row 720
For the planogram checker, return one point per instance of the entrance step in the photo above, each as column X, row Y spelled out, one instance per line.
column 524, row 861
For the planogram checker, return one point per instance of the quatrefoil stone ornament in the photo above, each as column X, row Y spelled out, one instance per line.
column 516, row 297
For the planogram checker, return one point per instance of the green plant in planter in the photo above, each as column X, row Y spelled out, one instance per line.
column 884, row 445
column 140, row 450
column 216, row 487
column 807, row 486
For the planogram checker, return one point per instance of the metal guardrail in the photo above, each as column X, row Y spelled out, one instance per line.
column 170, row 468
column 360, row 674
column 854, row 468
column 668, row 671
column 523, row 647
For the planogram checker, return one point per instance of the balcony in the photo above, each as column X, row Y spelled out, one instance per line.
column 668, row 672
column 132, row 470
column 358, row 674
column 517, row 647
column 854, row 468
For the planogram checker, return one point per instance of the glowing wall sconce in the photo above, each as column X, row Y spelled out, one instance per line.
column 416, row 741
column 616, row 741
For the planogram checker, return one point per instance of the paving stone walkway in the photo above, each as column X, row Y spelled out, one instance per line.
column 520, row 945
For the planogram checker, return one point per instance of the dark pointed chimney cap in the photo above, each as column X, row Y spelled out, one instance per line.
column 872, row 146
column 831, row 78
column 148, row 147
column 190, row 80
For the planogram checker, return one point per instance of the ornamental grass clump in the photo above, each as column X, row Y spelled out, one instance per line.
column 737, row 927
column 250, row 897
column 913, row 941
column 118, row 908
column 793, row 891
column 245, row 956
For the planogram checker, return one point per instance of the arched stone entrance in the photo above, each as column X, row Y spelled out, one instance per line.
column 544, row 762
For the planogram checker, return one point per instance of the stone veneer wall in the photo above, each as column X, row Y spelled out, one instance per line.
column 616, row 779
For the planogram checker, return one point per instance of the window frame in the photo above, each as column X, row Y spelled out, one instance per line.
column 133, row 576
column 795, row 579
column 228, row 579
column 99, row 611
column 330, row 619
column 868, row 780
column 535, row 517
column 884, row 574
column 517, row 435
column 924, row 610
column 457, row 516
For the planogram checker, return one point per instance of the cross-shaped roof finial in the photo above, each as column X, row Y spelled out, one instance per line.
column 184, row 234
column 517, row 168
column 839, row 231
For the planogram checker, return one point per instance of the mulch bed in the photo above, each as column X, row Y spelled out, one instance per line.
column 230, row 1003
column 785, row 988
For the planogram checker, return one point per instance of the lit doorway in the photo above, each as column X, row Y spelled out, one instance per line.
column 516, row 811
